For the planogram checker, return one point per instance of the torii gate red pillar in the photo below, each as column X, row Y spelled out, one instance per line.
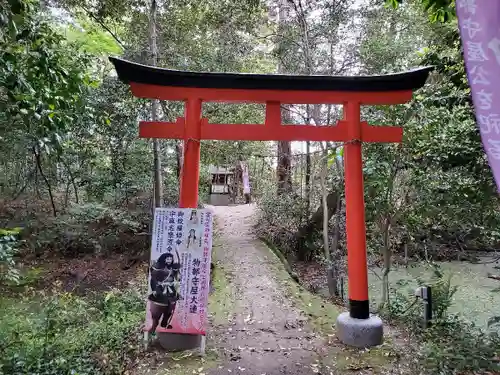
column 357, row 271
column 190, row 171
column 358, row 327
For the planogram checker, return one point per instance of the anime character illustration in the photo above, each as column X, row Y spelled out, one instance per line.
column 165, row 285
column 193, row 219
column 191, row 239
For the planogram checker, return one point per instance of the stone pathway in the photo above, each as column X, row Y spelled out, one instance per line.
column 268, row 335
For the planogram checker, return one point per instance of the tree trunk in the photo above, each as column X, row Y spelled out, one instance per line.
column 314, row 224
column 332, row 273
column 334, row 270
column 284, row 166
column 406, row 253
column 178, row 158
column 66, row 194
column 47, row 183
column 35, row 187
column 154, row 108
column 72, row 179
column 324, row 203
column 336, row 230
column 26, row 183
column 387, row 263
column 308, row 175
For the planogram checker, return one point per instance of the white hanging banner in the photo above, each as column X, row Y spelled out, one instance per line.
column 246, row 178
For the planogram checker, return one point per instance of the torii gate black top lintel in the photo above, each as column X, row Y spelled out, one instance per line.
column 137, row 73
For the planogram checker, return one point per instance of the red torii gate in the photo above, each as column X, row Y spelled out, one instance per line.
column 357, row 328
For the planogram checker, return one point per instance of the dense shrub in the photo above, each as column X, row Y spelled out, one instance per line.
column 88, row 229
column 9, row 247
column 69, row 335
column 279, row 220
column 451, row 345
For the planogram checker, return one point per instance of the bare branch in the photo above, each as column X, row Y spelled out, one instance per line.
column 103, row 25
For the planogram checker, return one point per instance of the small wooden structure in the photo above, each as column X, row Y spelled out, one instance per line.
column 220, row 188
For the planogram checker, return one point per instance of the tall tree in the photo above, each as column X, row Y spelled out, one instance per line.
column 284, row 165
column 154, row 108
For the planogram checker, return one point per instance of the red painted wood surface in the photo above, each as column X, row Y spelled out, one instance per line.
column 357, row 265
column 261, row 132
column 262, row 96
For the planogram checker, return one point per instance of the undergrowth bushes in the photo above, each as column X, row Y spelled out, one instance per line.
column 279, row 219
column 9, row 248
column 49, row 333
column 451, row 345
column 89, row 229
column 66, row 334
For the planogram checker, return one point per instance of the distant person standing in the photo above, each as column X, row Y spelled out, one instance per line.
column 246, row 183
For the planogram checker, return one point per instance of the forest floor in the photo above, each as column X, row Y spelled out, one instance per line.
column 263, row 322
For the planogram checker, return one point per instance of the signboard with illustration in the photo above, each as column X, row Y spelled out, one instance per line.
column 179, row 271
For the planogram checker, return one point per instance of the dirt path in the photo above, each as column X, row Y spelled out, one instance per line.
column 268, row 334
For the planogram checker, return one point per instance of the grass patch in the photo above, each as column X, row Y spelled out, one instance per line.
column 67, row 334
column 221, row 300
column 28, row 278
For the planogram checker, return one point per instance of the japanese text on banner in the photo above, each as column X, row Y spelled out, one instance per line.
column 180, row 271
column 478, row 22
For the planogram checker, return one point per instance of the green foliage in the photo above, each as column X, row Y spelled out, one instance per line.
column 280, row 219
column 93, row 126
column 65, row 334
column 437, row 190
column 9, row 247
column 438, row 10
column 451, row 345
column 90, row 229
column 41, row 78
column 90, row 38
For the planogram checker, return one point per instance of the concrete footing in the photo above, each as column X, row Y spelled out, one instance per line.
column 176, row 342
column 360, row 333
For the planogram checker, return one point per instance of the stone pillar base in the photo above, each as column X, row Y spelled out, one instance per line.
column 360, row 333
column 176, row 342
